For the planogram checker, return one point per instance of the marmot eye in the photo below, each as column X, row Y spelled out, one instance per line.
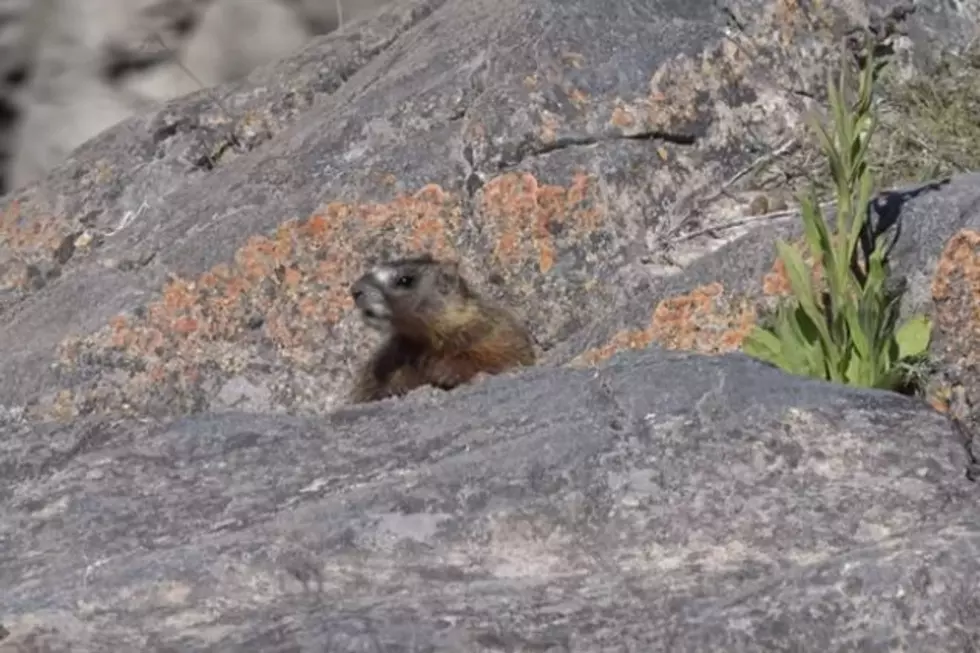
column 405, row 281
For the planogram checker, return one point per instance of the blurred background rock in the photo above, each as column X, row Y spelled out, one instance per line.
column 71, row 68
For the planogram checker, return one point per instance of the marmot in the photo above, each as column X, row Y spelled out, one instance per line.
column 440, row 331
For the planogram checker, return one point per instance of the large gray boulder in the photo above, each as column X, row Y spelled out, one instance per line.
column 177, row 472
column 662, row 501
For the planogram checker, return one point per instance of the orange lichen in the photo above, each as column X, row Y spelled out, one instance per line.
column 292, row 285
column 521, row 214
column 702, row 321
column 776, row 282
column 185, row 325
column 939, row 399
column 788, row 19
column 622, row 117
column 28, row 232
column 283, row 292
column 26, row 240
column 956, row 296
column 960, row 260
column 578, row 97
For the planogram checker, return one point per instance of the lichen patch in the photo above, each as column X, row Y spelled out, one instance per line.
column 524, row 216
column 703, row 320
column 276, row 305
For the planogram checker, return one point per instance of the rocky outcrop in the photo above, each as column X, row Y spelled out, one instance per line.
column 71, row 68
column 662, row 501
column 177, row 473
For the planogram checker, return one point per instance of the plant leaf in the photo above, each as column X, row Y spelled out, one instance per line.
column 913, row 337
column 763, row 344
column 799, row 280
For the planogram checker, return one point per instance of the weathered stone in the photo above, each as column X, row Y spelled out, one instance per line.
column 933, row 229
column 194, row 261
column 559, row 169
column 662, row 501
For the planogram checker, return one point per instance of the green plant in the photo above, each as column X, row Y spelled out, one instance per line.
column 845, row 329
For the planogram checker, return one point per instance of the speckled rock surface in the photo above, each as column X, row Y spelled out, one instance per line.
column 935, row 231
column 197, row 257
column 175, row 330
column 661, row 501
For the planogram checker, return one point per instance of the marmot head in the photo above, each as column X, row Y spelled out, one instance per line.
column 416, row 297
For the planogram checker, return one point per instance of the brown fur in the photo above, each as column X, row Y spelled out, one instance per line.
column 440, row 332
